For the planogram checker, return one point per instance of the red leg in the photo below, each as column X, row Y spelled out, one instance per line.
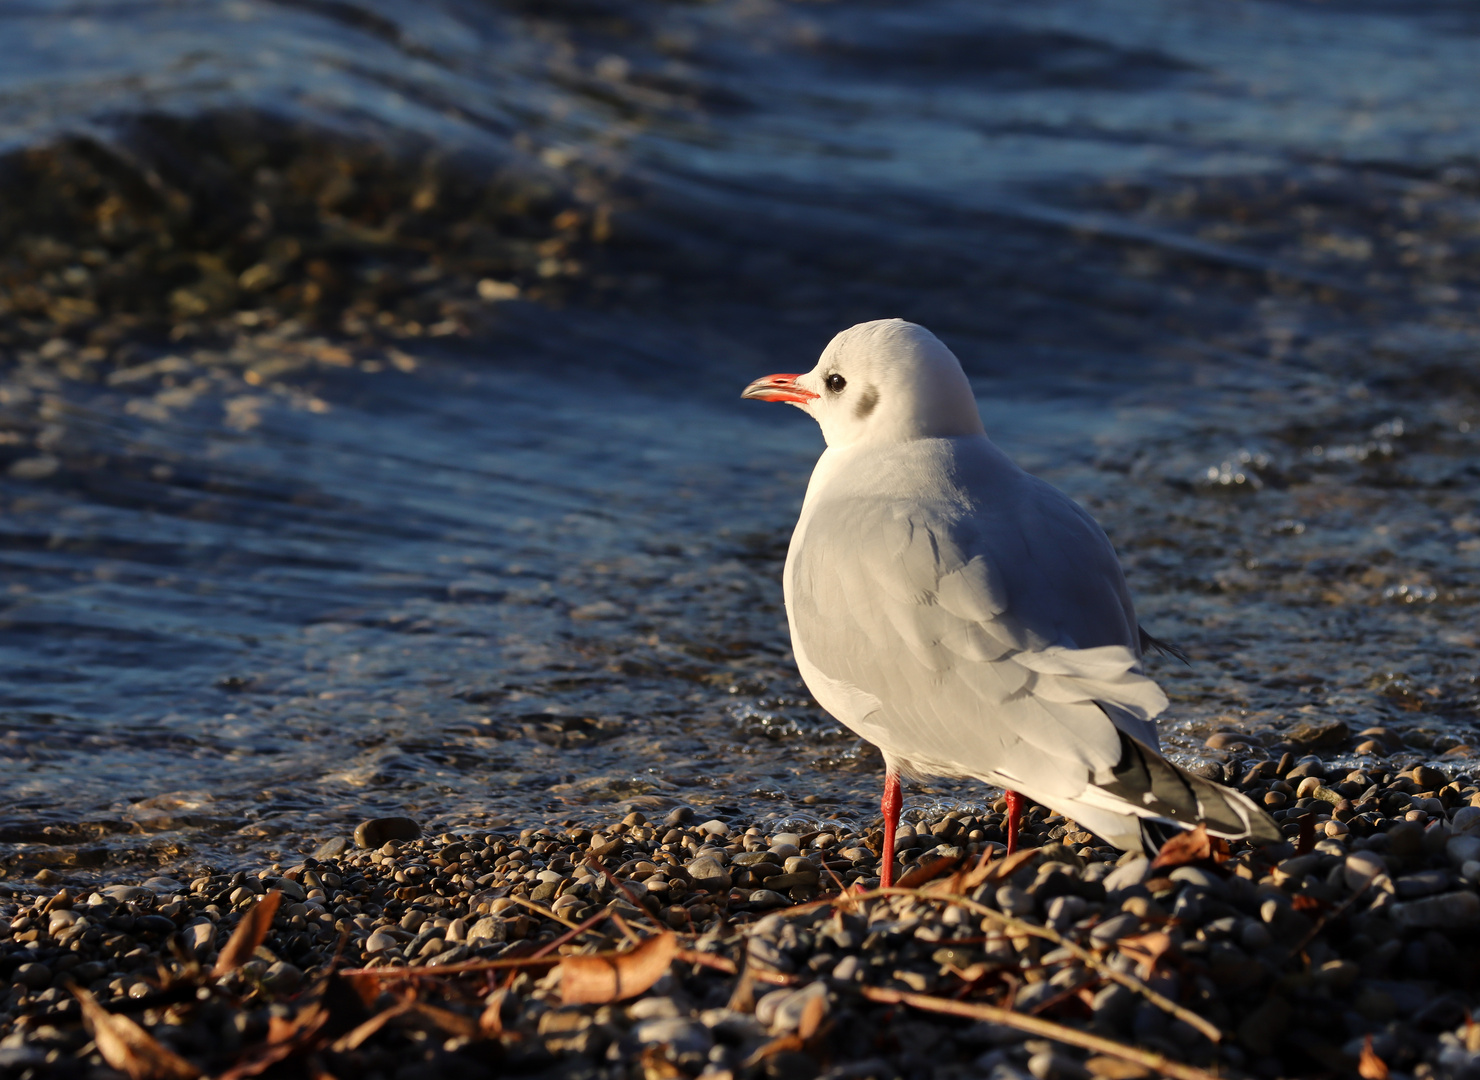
column 1014, row 819
column 889, row 806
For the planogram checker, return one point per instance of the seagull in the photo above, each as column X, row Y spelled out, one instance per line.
column 967, row 618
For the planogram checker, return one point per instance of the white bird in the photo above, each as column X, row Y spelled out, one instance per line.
column 967, row 618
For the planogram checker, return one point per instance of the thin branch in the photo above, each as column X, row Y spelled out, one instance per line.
column 729, row 967
column 1130, row 982
column 1033, row 1025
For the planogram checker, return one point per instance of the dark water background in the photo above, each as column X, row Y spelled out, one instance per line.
column 1213, row 268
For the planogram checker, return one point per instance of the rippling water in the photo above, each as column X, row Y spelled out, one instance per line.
column 1213, row 268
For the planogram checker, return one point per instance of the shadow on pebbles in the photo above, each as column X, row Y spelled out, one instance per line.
column 680, row 948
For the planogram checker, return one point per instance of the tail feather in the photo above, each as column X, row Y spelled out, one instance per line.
column 1166, row 648
column 1152, row 787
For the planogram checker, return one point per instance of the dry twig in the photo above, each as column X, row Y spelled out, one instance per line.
column 1034, row 1025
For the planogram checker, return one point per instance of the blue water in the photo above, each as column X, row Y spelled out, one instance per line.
column 537, row 576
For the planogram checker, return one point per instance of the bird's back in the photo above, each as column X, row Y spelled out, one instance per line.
column 964, row 615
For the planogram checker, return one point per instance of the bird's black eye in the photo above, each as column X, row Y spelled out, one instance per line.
column 836, row 382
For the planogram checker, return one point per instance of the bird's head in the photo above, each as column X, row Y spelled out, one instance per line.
column 882, row 381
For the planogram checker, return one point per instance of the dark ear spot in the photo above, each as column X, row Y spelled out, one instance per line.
column 866, row 402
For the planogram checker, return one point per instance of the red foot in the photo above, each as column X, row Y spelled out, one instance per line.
column 1014, row 819
column 889, row 806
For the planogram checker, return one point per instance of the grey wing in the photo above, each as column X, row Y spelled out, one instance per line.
column 965, row 618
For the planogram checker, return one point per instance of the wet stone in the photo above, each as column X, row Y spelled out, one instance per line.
column 33, row 976
column 376, row 832
column 332, row 848
column 707, row 873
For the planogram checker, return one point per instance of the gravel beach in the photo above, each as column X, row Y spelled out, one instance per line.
column 1350, row 948
column 394, row 681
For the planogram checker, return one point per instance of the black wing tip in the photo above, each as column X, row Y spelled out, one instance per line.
column 1166, row 648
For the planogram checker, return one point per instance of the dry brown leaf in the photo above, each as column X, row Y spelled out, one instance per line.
column 1009, row 865
column 248, row 934
column 607, row 977
column 1146, row 950
column 491, row 1021
column 1369, row 1065
column 813, row 1014
column 927, row 872
column 354, row 1039
column 775, row 1046
column 656, row 1066
column 1109, row 1068
column 285, row 1037
column 448, row 1022
column 1191, row 846
column 127, row 1047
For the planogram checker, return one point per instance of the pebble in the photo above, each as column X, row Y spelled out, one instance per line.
column 1449, row 911
column 442, row 900
column 378, row 831
column 685, row 1037
column 707, row 873
column 379, row 942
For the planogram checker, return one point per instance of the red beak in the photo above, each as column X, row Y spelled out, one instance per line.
column 779, row 388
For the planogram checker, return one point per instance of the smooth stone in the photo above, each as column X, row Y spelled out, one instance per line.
column 122, row 894
column 456, row 954
column 282, row 978
column 1425, row 883
column 767, row 898
column 1300, row 865
column 1405, row 839
column 332, row 848
column 1465, row 818
column 163, row 885
column 1014, row 901
column 1134, row 872
column 1438, row 912
column 787, row 1012
column 553, row 875
column 490, row 928
column 715, row 827
column 683, row 1036
column 33, row 976
column 654, row 1008
column 1255, row 936
column 200, row 937
column 679, row 816
column 708, row 874
column 1362, row 867
column 781, row 882
column 153, row 924
column 378, row 831
column 289, row 888
column 1471, row 872
column 785, row 851
column 849, row 969
column 544, row 891
column 1463, row 849
column 1428, row 778
column 755, row 858
column 1203, row 879
column 791, row 838
column 379, row 941
column 413, row 920
column 59, row 920
column 1115, row 928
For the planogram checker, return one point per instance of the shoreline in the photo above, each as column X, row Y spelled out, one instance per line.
column 1292, row 957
